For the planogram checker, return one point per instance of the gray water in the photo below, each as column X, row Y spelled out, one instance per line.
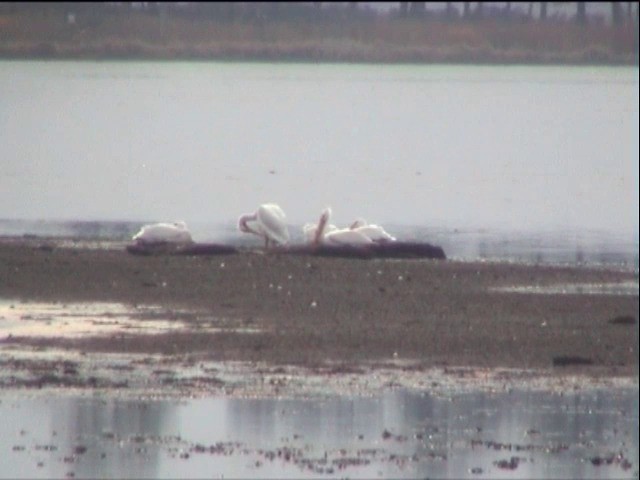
column 399, row 434
column 547, row 155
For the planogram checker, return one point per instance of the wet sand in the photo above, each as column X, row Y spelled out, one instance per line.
column 310, row 312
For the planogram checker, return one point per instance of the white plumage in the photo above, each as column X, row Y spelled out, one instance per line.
column 375, row 232
column 268, row 222
column 163, row 233
column 330, row 235
column 359, row 232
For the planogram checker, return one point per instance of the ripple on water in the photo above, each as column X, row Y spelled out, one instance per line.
column 612, row 288
column 41, row 319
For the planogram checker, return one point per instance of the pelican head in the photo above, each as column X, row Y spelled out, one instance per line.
column 357, row 223
column 322, row 224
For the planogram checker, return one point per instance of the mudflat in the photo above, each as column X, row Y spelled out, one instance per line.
column 306, row 311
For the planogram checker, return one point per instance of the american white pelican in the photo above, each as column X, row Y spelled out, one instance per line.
column 268, row 221
column 375, row 232
column 309, row 230
column 343, row 236
column 163, row 233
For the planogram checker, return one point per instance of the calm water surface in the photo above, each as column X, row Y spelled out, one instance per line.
column 492, row 154
column 399, row 434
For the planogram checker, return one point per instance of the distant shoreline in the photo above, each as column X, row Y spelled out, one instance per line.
column 284, row 34
column 315, row 53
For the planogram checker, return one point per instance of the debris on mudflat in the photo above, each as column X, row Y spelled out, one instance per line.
column 166, row 248
column 367, row 251
column 567, row 360
column 510, row 464
column 623, row 320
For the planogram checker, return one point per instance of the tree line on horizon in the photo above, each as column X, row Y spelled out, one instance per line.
column 621, row 13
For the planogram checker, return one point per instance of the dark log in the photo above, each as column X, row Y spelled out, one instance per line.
column 568, row 360
column 376, row 250
column 407, row 250
column 345, row 251
column 174, row 249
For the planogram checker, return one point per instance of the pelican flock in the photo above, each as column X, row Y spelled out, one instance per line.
column 269, row 223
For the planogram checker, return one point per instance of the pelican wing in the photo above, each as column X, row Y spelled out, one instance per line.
column 346, row 237
column 375, row 233
column 309, row 230
column 163, row 232
column 273, row 222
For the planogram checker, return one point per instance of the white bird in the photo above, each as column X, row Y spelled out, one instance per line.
column 163, row 233
column 375, row 232
column 268, row 222
column 309, row 230
column 335, row 236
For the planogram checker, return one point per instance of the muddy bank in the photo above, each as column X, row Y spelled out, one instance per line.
column 345, row 51
column 135, row 36
column 305, row 311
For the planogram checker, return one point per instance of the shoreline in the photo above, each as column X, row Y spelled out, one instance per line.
column 278, row 313
column 316, row 36
column 588, row 57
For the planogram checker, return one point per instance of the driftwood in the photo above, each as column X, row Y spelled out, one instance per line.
column 375, row 250
column 408, row 250
column 345, row 251
column 568, row 360
column 180, row 249
column 623, row 320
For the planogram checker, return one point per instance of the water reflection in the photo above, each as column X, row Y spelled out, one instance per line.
column 405, row 434
column 39, row 319
column 612, row 288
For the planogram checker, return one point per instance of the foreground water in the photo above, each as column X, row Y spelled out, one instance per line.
column 397, row 433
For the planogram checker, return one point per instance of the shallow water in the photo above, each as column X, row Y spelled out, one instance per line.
column 64, row 320
column 612, row 288
column 397, row 433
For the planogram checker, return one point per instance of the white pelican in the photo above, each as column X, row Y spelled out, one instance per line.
column 375, row 232
column 343, row 236
column 163, row 233
column 268, row 221
column 309, row 230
